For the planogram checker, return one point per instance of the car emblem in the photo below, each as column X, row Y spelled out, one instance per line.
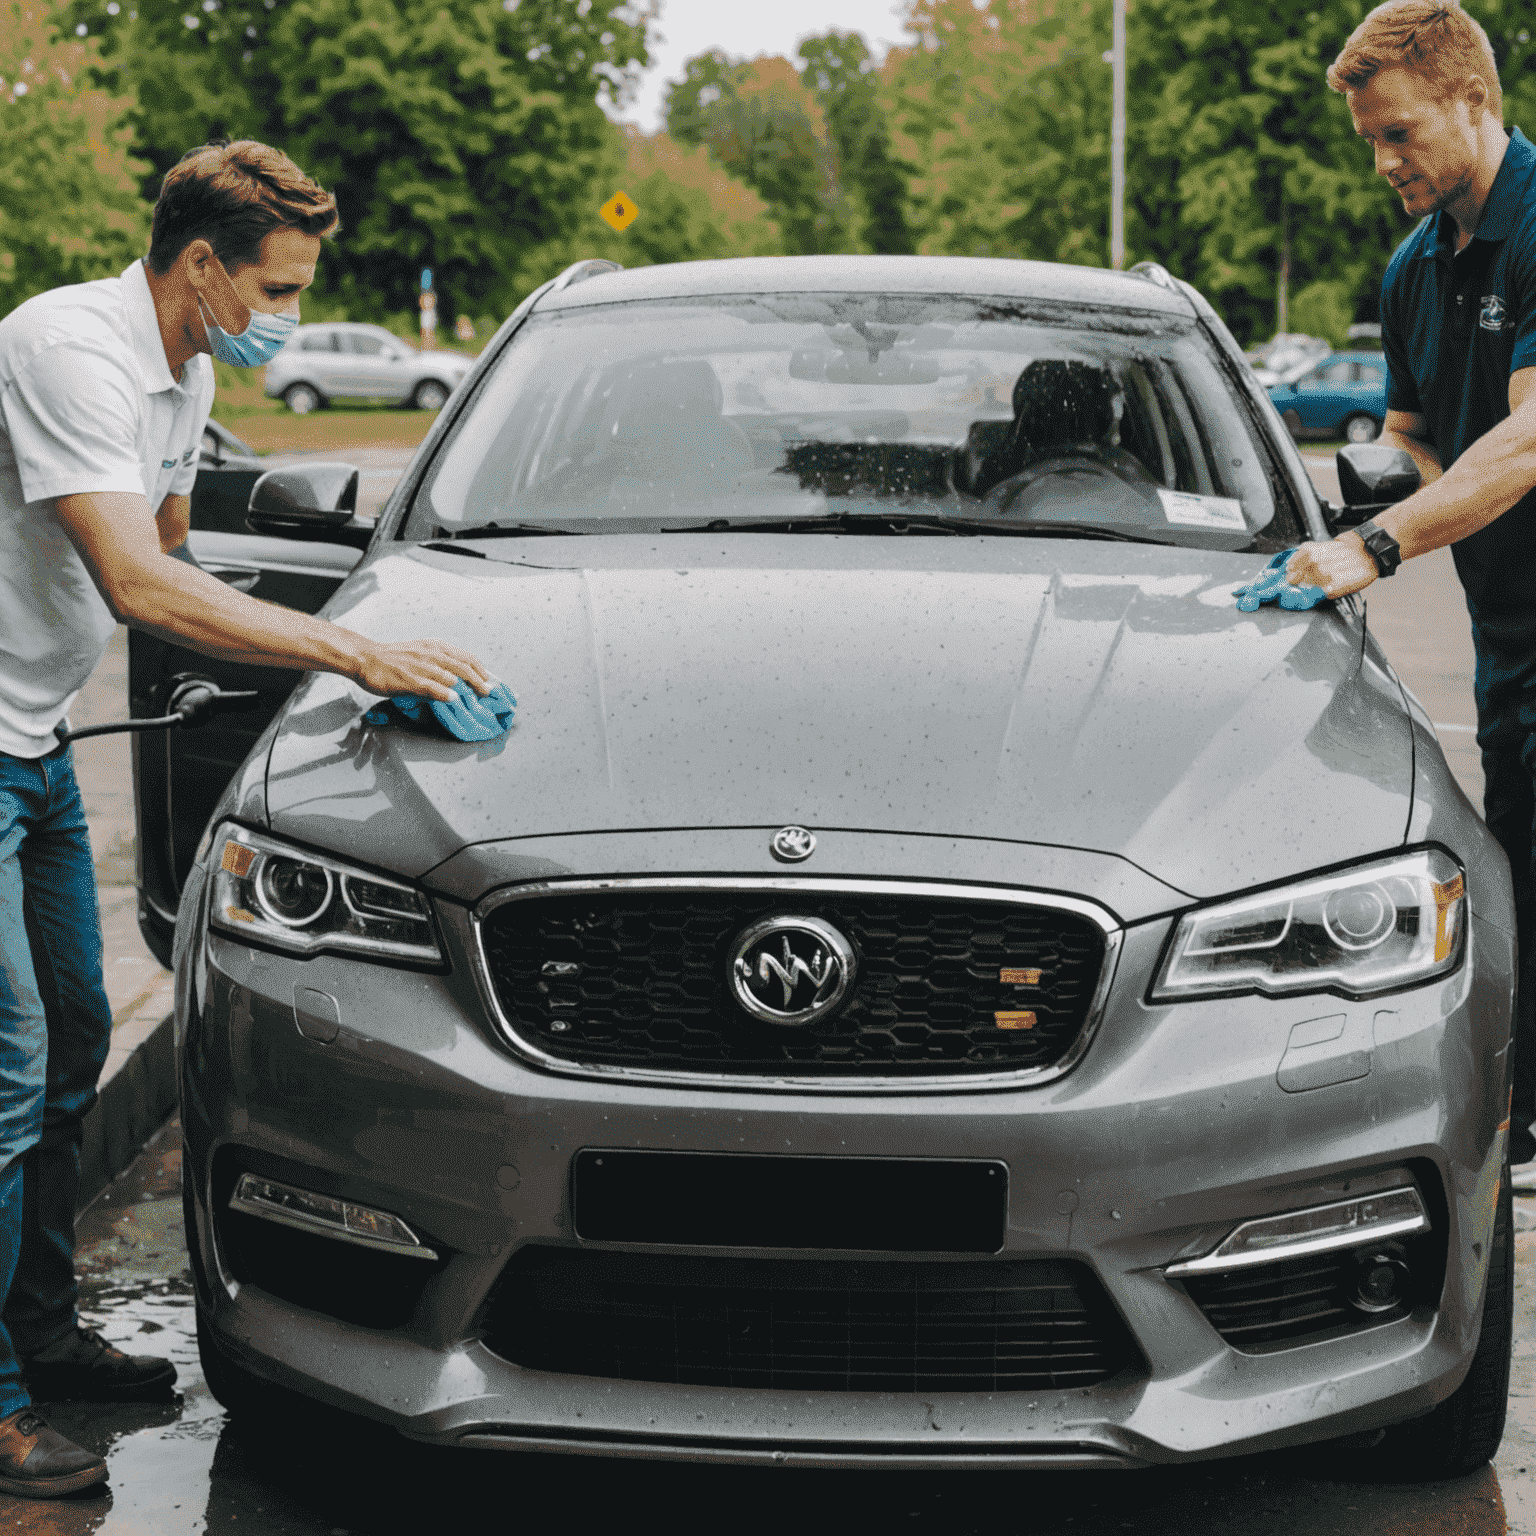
column 791, row 970
column 792, row 845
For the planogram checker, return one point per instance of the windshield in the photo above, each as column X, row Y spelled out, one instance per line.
column 792, row 408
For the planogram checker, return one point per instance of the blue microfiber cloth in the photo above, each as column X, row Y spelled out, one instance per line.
column 466, row 716
column 1270, row 586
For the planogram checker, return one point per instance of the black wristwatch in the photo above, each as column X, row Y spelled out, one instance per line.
column 1380, row 546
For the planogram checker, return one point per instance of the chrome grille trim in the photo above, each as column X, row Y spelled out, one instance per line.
column 791, row 885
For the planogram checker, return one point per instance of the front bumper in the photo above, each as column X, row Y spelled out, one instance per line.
column 1172, row 1130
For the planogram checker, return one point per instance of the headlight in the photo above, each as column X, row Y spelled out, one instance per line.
column 305, row 902
column 1374, row 928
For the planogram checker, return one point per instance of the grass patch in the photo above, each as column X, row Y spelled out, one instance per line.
column 335, row 427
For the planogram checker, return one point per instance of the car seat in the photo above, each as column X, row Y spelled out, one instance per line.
column 1060, row 406
column 667, row 428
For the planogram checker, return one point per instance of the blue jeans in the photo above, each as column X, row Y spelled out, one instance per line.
column 55, row 1028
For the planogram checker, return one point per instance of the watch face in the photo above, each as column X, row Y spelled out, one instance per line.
column 1384, row 549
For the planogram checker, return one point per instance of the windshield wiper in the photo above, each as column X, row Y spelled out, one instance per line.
column 892, row 523
column 507, row 531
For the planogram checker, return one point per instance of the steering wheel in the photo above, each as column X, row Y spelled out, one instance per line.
column 1005, row 492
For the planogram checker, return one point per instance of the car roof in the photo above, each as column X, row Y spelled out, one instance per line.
column 1057, row 282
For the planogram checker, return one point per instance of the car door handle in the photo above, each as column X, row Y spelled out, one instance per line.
column 241, row 581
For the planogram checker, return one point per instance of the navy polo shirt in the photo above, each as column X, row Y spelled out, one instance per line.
column 1455, row 325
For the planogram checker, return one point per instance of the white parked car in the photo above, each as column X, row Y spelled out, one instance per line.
column 348, row 361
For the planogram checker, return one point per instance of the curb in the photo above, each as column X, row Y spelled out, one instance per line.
column 136, row 1094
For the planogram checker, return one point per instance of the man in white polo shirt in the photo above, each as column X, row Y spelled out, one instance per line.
column 104, row 392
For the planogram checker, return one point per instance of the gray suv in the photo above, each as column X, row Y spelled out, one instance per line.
column 348, row 361
column 926, row 981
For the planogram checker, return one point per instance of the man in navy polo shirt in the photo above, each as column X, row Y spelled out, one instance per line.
column 1458, row 311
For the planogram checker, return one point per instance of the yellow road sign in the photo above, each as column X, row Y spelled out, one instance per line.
column 618, row 212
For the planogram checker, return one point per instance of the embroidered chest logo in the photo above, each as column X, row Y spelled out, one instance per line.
column 1491, row 316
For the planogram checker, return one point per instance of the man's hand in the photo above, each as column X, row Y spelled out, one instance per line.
column 1339, row 566
column 427, row 667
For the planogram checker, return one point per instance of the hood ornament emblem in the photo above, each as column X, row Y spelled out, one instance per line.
column 792, row 845
column 791, row 970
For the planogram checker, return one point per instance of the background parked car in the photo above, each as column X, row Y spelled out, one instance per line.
column 1345, row 396
column 348, row 361
column 1285, row 356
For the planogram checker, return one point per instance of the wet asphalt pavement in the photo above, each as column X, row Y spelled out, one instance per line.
column 182, row 1467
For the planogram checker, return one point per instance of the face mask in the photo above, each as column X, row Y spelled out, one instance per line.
column 258, row 343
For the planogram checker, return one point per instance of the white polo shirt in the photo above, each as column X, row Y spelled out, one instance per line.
column 87, row 403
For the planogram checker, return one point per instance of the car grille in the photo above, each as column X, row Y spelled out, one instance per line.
column 639, row 978
column 1286, row 1304
column 828, row 1326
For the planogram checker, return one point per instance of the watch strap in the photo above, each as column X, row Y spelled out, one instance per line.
column 1380, row 546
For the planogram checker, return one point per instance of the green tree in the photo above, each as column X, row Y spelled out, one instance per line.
column 1246, row 164
column 69, row 204
column 690, row 210
column 839, row 73
column 766, row 128
column 1002, row 111
column 462, row 135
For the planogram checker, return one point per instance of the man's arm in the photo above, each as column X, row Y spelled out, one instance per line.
column 1484, row 483
column 174, row 520
column 121, row 546
column 1410, row 432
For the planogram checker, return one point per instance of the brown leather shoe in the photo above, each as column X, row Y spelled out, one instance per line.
column 37, row 1462
column 83, row 1368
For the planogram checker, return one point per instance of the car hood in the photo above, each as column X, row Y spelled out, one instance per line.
column 1087, row 695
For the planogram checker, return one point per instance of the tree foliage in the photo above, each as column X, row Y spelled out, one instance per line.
column 1002, row 111
column 839, row 73
column 764, row 126
column 461, row 135
column 69, row 204
column 690, row 210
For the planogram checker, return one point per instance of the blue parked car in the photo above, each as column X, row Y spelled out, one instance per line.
column 1343, row 396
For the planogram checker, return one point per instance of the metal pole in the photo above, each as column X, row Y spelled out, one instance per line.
column 1117, row 146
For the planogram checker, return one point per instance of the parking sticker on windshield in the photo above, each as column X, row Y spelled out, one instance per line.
column 1190, row 511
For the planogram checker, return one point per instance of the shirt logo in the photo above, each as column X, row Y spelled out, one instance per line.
column 1491, row 317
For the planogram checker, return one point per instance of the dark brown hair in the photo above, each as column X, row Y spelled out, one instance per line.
column 1434, row 38
column 234, row 196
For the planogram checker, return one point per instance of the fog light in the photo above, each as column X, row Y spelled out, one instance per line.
column 341, row 1219
column 1382, row 1284
column 1318, row 1229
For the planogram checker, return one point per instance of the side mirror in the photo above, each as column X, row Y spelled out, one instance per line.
column 1372, row 477
column 1372, row 474
column 315, row 502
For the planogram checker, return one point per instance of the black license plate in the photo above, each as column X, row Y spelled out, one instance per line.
column 739, row 1200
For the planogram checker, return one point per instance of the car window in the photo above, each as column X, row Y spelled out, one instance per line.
column 1340, row 372
column 364, row 345
column 317, row 341
column 667, row 413
column 1370, row 373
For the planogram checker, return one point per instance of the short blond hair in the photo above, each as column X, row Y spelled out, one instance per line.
column 1434, row 38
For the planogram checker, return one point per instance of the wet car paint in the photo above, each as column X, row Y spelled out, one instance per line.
column 1094, row 696
column 183, row 1468
column 402, row 1111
